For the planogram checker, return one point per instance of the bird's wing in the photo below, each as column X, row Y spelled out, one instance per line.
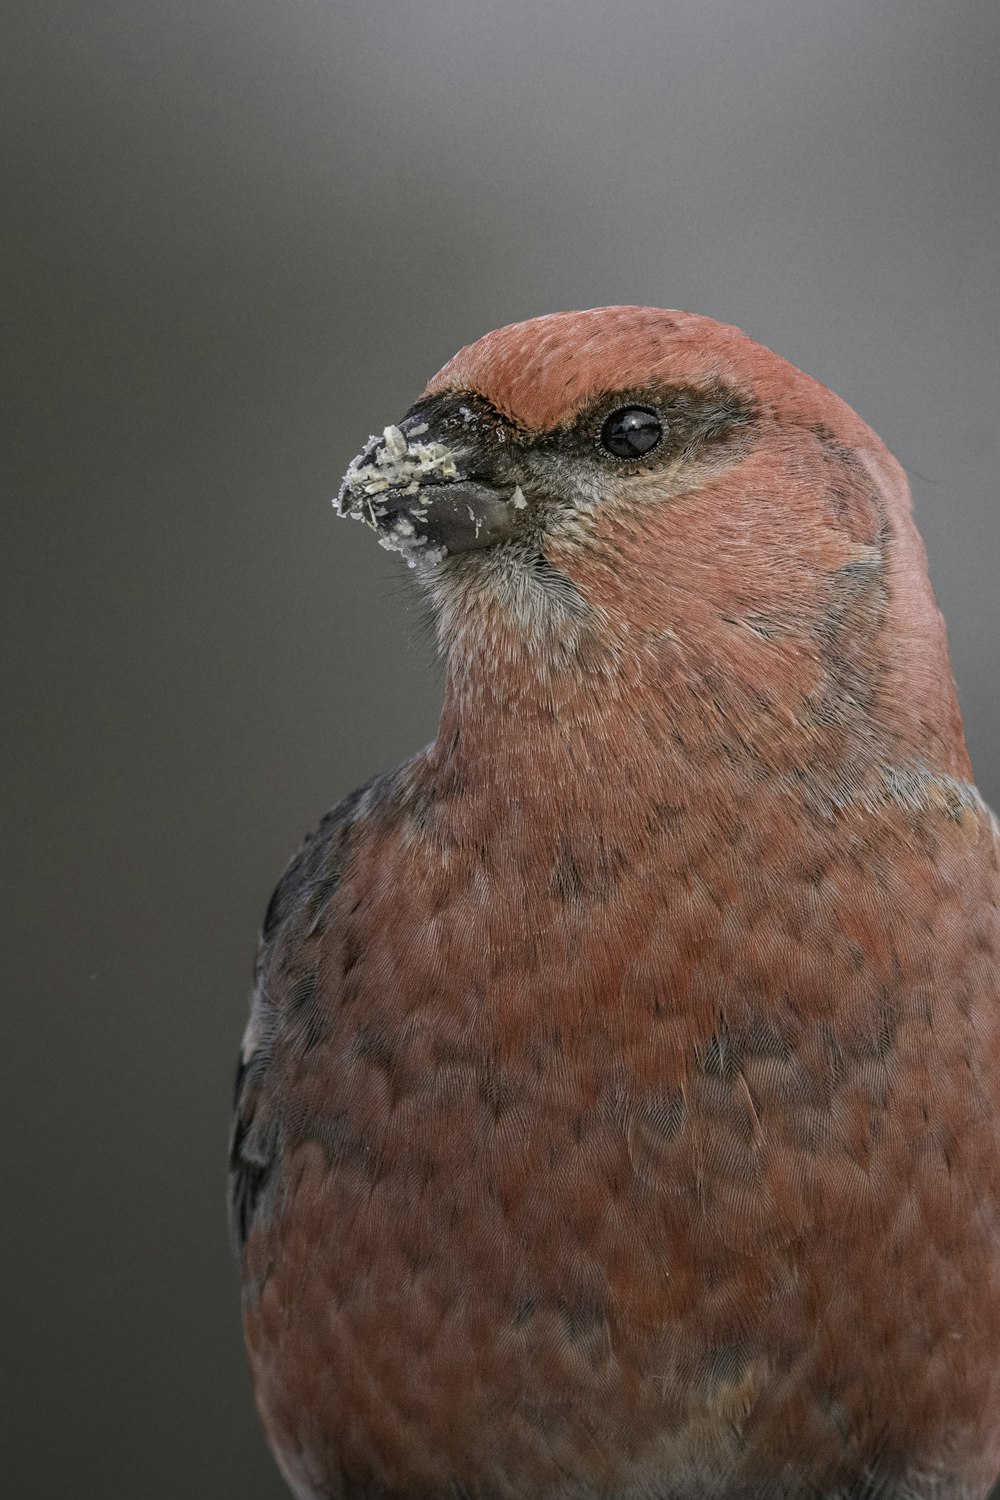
column 283, row 1014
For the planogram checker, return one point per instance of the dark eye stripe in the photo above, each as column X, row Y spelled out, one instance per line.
column 631, row 432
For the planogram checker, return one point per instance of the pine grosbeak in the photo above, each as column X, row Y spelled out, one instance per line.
column 619, row 1111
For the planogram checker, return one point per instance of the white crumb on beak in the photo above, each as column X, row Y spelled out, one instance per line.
column 397, row 463
column 517, row 499
column 395, row 444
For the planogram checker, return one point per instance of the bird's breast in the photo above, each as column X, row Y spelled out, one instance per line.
column 610, row 1161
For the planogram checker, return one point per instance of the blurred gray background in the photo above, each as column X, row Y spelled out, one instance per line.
column 239, row 235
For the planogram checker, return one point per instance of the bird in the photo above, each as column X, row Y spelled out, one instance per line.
column 618, row 1116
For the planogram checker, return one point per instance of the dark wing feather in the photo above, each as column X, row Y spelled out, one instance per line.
column 280, row 1007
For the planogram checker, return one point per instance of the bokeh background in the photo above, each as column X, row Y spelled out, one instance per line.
column 238, row 236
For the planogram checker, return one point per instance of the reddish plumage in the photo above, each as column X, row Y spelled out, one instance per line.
column 620, row 1108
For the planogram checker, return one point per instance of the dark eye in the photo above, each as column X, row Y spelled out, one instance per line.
column 631, row 432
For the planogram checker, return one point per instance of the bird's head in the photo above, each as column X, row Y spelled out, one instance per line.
column 636, row 495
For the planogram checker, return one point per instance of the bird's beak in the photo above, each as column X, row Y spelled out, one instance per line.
column 417, row 494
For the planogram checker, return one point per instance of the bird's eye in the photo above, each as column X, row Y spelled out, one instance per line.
column 631, row 432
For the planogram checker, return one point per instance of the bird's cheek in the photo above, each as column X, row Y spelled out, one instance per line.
column 616, row 561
